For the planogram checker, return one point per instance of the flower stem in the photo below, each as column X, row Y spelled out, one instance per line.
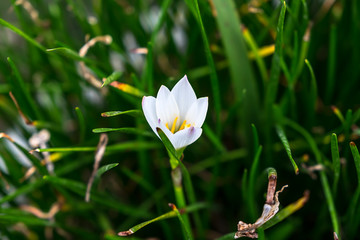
column 176, row 176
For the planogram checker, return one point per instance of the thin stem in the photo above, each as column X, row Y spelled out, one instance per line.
column 176, row 176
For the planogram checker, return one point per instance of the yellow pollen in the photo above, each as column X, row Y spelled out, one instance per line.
column 174, row 125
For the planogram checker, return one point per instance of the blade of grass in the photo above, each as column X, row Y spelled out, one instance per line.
column 80, row 189
column 104, row 169
column 167, row 215
column 22, row 93
column 272, row 86
column 188, row 235
column 323, row 178
column 355, row 199
column 312, row 94
column 252, row 180
column 281, row 133
column 124, row 130
column 194, row 7
column 330, row 82
column 68, row 53
column 256, row 53
column 133, row 113
column 22, row 34
column 126, row 146
column 240, row 68
column 113, row 77
column 81, row 123
column 24, row 189
column 336, row 161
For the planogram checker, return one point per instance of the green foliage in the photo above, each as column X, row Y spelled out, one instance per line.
column 282, row 81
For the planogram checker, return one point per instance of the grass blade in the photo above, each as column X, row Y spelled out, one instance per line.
column 113, row 77
column 281, row 133
column 240, row 68
column 134, row 113
column 194, row 7
column 336, row 161
column 22, row 34
column 272, row 86
column 124, row 130
column 22, row 93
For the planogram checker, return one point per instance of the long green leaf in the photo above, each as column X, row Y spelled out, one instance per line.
column 336, row 161
column 124, row 130
column 22, row 93
column 194, row 7
column 167, row 215
column 272, row 86
column 69, row 53
column 22, row 34
column 134, row 113
column 234, row 44
column 281, row 133
column 113, row 77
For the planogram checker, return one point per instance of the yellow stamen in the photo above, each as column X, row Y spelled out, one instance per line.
column 182, row 125
column 167, row 126
column 174, row 125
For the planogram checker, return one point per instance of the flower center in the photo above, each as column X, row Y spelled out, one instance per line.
column 173, row 126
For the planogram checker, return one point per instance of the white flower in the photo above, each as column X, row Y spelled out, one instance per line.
column 178, row 113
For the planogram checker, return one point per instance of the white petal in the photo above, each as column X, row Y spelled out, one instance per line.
column 167, row 132
column 184, row 96
column 149, row 109
column 166, row 107
column 197, row 112
column 185, row 137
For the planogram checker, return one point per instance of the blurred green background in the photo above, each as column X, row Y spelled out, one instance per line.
column 282, row 80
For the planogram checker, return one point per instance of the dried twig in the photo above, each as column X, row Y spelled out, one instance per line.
column 26, row 119
column 271, row 207
column 98, row 156
column 82, row 52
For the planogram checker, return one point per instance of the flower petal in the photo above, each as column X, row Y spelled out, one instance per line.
column 197, row 112
column 166, row 107
column 149, row 109
column 185, row 137
column 184, row 95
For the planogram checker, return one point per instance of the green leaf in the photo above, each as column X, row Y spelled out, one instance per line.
column 336, row 161
column 124, row 130
column 24, row 189
column 168, row 145
column 281, row 133
column 272, row 86
column 356, row 156
column 81, row 120
column 80, row 189
column 113, row 77
column 194, row 7
column 252, row 184
column 235, row 49
column 167, row 215
column 287, row 211
column 126, row 146
column 69, row 53
column 134, row 113
column 22, row 93
column 22, row 34
column 104, row 169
